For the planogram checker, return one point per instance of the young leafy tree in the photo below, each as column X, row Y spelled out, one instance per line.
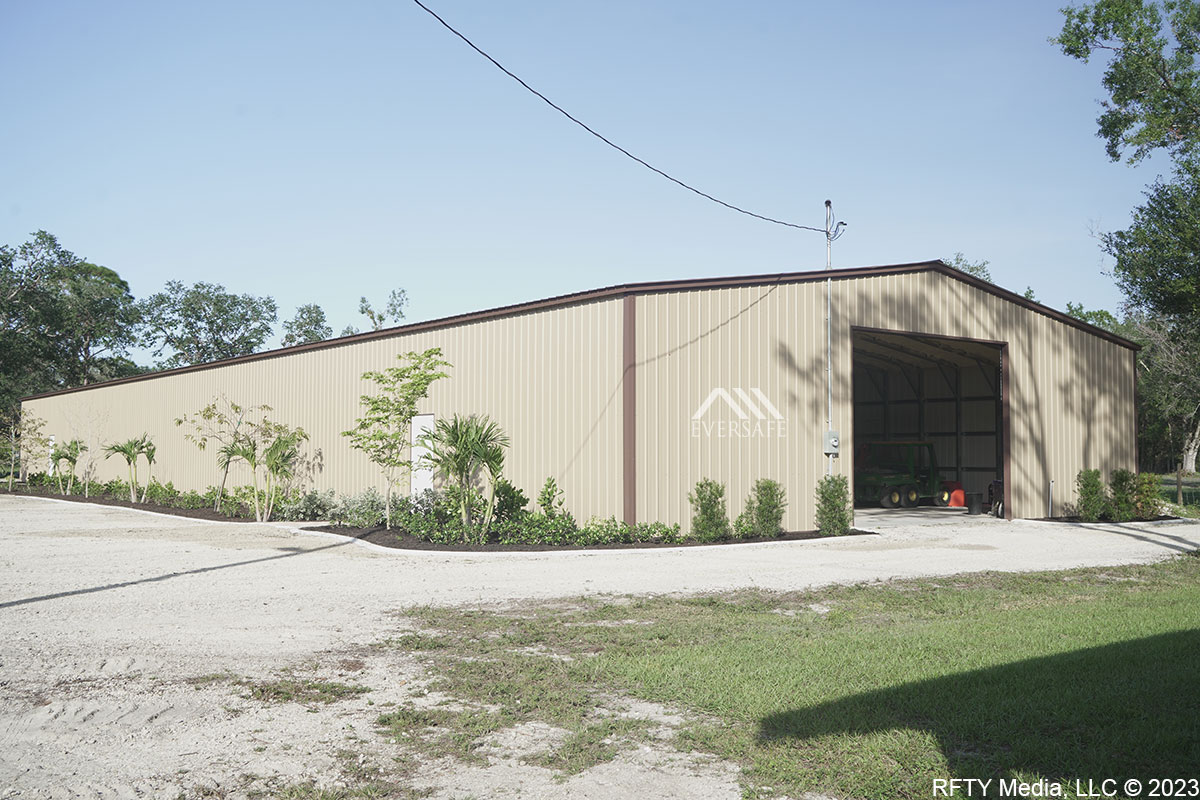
column 226, row 423
column 382, row 432
column 129, row 450
column 308, row 325
column 203, row 322
column 25, row 442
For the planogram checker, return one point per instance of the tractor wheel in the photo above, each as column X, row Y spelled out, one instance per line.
column 891, row 497
column 942, row 498
column 910, row 498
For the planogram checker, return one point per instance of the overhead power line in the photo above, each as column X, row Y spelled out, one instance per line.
column 603, row 138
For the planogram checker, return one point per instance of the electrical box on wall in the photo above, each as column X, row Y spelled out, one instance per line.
column 833, row 443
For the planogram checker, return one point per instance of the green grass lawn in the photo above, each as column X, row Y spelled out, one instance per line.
column 865, row 691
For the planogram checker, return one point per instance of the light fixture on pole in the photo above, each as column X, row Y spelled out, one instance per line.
column 833, row 230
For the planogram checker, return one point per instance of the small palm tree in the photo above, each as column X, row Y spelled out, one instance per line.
column 68, row 453
column 246, row 449
column 460, row 447
column 280, row 460
column 129, row 450
column 149, row 450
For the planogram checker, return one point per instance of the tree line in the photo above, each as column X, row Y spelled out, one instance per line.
column 67, row 322
column 1153, row 106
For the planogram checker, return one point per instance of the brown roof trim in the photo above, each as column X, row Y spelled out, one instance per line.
column 621, row 290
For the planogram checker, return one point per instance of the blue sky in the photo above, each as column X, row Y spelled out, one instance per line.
column 319, row 152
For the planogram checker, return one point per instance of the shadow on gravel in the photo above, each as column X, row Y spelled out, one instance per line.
column 158, row 578
column 1125, row 710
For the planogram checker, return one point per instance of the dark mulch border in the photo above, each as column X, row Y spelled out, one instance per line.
column 1163, row 518
column 193, row 513
column 399, row 540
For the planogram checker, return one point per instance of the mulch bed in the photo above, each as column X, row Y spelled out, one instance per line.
column 404, row 541
column 399, row 540
column 194, row 513
column 1162, row 518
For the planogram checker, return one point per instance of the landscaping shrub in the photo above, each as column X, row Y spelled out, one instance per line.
column 511, row 502
column 364, row 510
column 230, row 505
column 116, row 489
column 162, row 495
column 833, row 505
column 1122, row 485
column 561, row 531
column 550, row 499
column 1147, row 499
column 193, row 499
column 307, row 506
column 432, row 516
column 1093, row 499
column 710, row 521
column 558, row 530
column 763, row 515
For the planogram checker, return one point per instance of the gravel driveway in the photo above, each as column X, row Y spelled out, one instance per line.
column 112, row 619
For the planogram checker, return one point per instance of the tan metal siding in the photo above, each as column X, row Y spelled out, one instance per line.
column 1070, row 391
column 549, row 378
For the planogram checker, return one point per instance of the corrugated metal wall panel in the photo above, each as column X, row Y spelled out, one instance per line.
column 1070, row 391
column 551, row 379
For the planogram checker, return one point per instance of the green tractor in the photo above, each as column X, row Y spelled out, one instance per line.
column 898, row 474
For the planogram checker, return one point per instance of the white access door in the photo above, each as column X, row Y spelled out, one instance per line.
column 422, row 475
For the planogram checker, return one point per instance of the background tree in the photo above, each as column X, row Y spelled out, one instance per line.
column 99, row 322
column 63, row 321
column 1151, row 77
column 1169, row 390
column 1100, row 318
column 977, row 268
column 1153, row 104
column 1158, row 256
column 203, row 322
column 393, row 311
column 383, row 431
column 308, row 325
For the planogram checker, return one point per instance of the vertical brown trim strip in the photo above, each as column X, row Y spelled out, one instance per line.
column 629, row 408
column 1137, row 445
column 1006, row 437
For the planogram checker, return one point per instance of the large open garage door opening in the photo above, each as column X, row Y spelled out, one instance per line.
column 928, row 420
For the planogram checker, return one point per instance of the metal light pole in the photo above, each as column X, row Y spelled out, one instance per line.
column 833, row 230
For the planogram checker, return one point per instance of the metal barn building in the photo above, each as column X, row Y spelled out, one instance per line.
column 628, row 395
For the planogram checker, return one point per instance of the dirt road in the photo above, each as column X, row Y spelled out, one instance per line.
column 129, row 639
